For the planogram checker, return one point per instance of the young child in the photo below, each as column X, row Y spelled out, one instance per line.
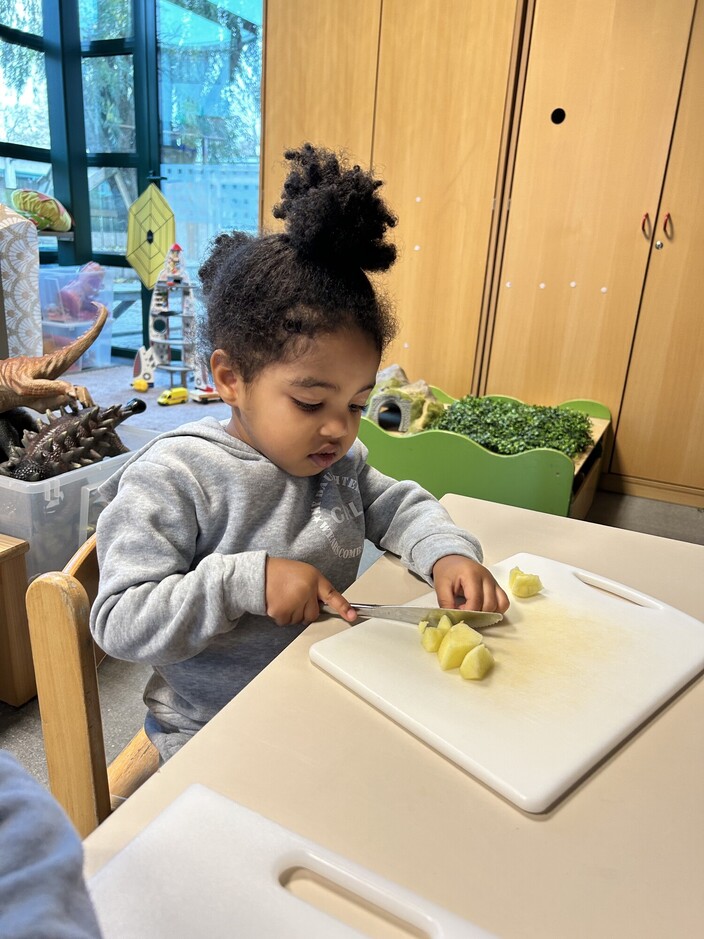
column 218, row 535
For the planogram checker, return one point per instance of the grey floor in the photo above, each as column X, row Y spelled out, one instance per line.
column 121, row 683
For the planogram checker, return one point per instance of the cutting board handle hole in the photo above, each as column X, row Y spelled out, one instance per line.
column 618, row 590
column 346, row 906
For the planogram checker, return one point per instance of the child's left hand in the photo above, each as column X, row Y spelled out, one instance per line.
column 457, row 576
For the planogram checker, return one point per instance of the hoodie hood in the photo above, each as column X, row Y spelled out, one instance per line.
column 207, row 428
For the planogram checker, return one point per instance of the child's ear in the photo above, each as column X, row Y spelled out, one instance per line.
column 227, row 380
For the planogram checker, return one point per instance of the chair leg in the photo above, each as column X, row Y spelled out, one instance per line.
column 132, row 767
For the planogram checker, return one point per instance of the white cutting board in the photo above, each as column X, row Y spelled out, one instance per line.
column 578, row 667
column 208, row 866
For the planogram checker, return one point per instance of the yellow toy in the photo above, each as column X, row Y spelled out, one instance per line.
column 177, row 395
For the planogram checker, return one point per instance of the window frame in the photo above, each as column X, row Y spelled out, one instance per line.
column 71, row 165
column 64, row 54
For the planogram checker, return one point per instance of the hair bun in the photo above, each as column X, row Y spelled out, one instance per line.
column 333, row 212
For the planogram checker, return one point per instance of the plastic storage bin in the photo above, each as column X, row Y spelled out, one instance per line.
column 66, row 295
column 57, row 515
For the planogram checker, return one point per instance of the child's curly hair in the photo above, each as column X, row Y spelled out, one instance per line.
column 265, row 294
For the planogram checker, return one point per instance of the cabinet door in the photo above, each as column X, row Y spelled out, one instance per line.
column 443, row 79
column 601, row 92
column 319, row 81
column 660, row 434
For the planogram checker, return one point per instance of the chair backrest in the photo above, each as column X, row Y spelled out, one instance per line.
column 65, row 656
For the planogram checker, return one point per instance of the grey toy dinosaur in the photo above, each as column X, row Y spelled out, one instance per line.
column 30, row 381
column 69, row 440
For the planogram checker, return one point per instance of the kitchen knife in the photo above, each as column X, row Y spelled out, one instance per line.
column 414, row 614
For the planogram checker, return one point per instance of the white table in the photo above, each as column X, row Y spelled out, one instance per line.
column 622, row 855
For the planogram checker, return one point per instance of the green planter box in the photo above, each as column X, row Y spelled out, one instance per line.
column 442, row 461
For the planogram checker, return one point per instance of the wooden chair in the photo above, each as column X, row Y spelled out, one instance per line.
column 65, row 661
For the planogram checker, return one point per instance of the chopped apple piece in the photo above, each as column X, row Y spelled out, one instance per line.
column 455, row 645
column 523, row 585
column 477, row 663
column 444, row 623
column 431, row 639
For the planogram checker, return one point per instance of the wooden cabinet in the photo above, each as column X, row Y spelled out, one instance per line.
column 599, row 106
column 586, row 306
column 418, row 90
column 660, row 432
column 320, row 62
column 17, row 684
column 443, row 80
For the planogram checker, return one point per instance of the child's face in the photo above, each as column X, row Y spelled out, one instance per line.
column 303, row 415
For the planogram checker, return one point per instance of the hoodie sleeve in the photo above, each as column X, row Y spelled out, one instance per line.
column 404, row 518
column 42, row 891
column 155, row 569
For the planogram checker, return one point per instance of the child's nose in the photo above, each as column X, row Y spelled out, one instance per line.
column 336, row 427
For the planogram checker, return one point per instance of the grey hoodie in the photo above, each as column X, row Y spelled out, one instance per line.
column 182, row 548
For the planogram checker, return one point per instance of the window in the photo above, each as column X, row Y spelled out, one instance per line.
column 210, row 116
column 25, row 160
column 98, row 98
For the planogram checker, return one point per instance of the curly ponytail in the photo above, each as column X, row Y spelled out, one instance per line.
column 264, row 293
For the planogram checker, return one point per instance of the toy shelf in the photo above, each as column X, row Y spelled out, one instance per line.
column 541, row 479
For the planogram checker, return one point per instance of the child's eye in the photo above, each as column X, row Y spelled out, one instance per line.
column 305, row 405
column 357, row 408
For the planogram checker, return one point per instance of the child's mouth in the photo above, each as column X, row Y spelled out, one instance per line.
column 323, row 460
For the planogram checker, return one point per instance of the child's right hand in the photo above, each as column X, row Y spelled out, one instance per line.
column 295, row 590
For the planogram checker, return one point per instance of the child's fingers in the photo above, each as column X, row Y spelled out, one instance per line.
column 503, row 602
column 446, row 595
column 474, row 598
column 333, row 598
column 485, row 595
column 450, row 592
column 495, row 600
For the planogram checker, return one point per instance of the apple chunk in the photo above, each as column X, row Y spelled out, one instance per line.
column 523, row 585
column 431, row 639
column 444, row 624
column 456, row 643
column 477, row 663
column 457, row 646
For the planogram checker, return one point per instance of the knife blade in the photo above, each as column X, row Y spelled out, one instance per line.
column 414, row 614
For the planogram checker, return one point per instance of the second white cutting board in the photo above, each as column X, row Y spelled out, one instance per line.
column 578, row 668
column 207, row 866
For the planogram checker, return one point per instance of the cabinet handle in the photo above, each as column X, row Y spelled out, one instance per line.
column 644, row 222
column 665, row 223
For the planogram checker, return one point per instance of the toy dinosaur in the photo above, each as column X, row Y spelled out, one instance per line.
column 13, row 424
column 30, row 381
column 79, row 296
column 69, row 440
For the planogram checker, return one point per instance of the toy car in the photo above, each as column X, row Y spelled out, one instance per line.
column 178, row 395
column 204, row 395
